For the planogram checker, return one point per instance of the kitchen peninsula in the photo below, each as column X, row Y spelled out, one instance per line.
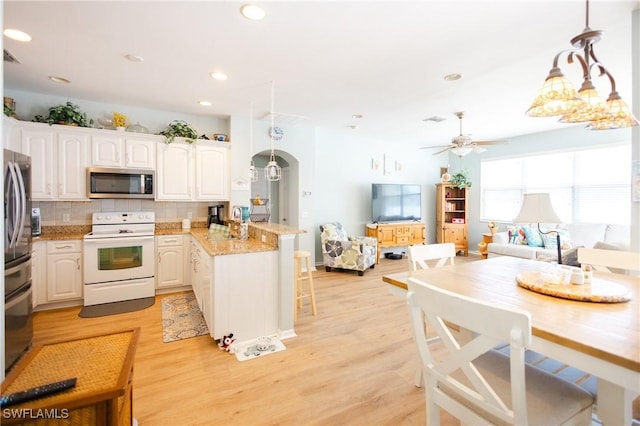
column 244, row 287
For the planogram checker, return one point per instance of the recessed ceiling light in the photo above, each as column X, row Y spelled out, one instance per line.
column 253, row 12
column 218, row 75
column 205, row 103
column 453, row 77
column 134, row 58
column 59, row 79
column 357, row 116
column 16, row 35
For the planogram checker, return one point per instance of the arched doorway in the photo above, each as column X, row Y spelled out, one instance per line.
column 283, row 202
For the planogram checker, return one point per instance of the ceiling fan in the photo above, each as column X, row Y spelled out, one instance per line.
column 462, row 144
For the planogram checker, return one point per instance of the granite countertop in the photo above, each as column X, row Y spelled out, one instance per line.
column 213, row 248
column 276, row 228
column 219, row 247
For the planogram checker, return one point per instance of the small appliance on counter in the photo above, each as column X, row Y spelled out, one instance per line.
column 36, row 226
column 215, row 215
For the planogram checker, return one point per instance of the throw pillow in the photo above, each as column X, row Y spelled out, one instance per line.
column 550, row 240
column 534, row 239
column 570, row 257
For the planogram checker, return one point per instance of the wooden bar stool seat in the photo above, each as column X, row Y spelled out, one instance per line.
column 300, row 256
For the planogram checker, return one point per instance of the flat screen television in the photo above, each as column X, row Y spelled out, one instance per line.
column 394, row 202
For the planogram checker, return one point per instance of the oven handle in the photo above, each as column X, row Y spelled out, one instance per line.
column 118, row 240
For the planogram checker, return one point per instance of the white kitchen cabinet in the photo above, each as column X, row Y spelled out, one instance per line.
column 11, row 134
column 38, row 144
column 64, row 270
column 198, row 172
column 170, row 261
column 174, row 172
column 72, row 164
column 119, row 150
column 212, row 172
column 200, row 280
column 39, row 273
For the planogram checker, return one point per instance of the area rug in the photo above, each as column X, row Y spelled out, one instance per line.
column 250, row 350
column 181, row 318
column 114, row 308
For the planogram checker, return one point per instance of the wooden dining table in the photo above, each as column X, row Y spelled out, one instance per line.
column 602, row 339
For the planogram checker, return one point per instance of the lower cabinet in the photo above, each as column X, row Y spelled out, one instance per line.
column 170, row 261
column 397, row 234
column 237, row 293
column 64, row 271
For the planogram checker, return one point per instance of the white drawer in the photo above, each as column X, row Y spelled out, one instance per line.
column 169, row 240
column 64, row 246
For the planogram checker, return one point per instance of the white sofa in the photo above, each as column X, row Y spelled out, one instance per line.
column 579, row 234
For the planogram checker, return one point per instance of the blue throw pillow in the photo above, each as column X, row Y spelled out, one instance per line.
column 533, row 237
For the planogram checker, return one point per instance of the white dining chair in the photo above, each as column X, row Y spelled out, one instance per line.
column 474, row 382
column 419, row 255
column 609, row 260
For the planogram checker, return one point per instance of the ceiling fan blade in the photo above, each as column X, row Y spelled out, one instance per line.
column 434, row 146
column 442, row 150
column 496, row 142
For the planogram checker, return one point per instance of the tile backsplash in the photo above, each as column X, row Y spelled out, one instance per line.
column 59, row 213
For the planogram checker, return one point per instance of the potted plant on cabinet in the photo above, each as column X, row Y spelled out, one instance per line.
column 67, row 114
column 460, row 180
column 179, row 128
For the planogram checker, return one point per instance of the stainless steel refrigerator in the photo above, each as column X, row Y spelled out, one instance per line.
column 18, row 306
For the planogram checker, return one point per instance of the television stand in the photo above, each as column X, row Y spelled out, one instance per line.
column 396, row 234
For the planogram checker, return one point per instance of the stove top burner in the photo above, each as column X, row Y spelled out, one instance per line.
column 121, row 224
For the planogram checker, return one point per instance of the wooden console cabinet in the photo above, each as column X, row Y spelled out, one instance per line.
column 397, row 234
column 451, row 216
column 103, row 366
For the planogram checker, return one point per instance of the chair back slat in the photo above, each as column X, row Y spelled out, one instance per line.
column 604, row 260
column 444, row 253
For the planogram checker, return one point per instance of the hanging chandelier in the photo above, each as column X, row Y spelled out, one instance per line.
column 557, row 97
column 253, row 172
column 272, row 171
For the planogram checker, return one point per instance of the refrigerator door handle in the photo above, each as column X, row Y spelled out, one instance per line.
column 23, row 201
column 16, row 207
column 24, row 294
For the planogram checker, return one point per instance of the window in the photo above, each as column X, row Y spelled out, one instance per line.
column 586, row 186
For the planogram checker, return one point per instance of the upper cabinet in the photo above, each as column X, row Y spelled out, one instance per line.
column 60, row 156
column 198, row 172
column 38, row 144
column 122, row 151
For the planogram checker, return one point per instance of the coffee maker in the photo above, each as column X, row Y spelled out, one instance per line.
column 215, row 215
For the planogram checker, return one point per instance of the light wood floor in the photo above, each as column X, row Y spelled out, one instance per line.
column 352, row 364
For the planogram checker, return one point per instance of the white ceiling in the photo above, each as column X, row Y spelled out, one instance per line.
column 329, row 59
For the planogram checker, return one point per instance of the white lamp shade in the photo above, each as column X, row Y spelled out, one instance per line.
column 536, row 208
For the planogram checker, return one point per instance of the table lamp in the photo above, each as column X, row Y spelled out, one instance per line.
column 536, row 207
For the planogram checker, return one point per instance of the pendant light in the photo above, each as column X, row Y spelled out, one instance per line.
column 253, row 172
column 558, row 97
column 272, row 171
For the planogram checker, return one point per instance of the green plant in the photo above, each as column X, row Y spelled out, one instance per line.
column 8, row 111
column 460, row 180
column 68, row 114
column 179, row 128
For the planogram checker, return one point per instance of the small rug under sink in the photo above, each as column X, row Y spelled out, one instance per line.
column 114, row 308
column 181, row 318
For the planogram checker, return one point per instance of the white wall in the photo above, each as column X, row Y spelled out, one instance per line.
column 344, row 175
column 29, row 104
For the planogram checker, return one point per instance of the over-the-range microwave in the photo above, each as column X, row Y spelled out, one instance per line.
column 119, row 183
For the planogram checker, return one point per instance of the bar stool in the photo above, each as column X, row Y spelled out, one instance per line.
column 300, row 256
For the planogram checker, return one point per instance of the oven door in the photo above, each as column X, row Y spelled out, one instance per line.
column 118, row 258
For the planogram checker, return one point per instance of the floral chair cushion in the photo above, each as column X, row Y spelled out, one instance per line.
column 342, row 251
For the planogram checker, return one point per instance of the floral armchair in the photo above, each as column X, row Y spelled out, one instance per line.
column 345, row 252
